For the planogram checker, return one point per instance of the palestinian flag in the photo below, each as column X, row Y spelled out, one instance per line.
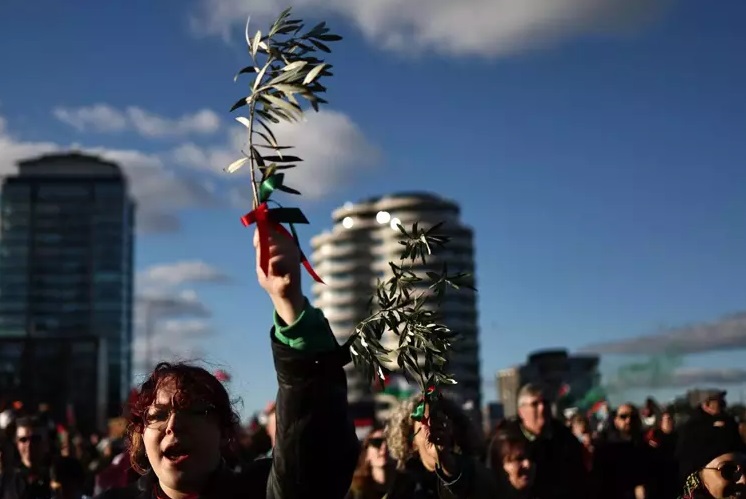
column 564, row 391
column 396, row 385
column 600, row 410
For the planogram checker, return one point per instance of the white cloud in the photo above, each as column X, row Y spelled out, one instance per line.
column 107, row 119
column 99, row 117
column 481, row 27
column 169, row 321
column 333, row 148
column 176, row 274
column 164, row 304
column 186, row 328
column 168, row 326
column 159, row 192
column 163, row 346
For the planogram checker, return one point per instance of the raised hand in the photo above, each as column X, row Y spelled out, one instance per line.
column 282, row 280
column 440, row 431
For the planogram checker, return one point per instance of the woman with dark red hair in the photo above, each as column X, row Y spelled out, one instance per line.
column 182, row 424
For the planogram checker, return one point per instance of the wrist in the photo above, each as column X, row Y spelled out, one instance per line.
column 289, row 307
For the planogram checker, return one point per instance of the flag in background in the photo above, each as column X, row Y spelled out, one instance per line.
column 599, row 410
column 396, row 385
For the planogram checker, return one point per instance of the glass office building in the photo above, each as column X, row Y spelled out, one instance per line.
column 66, row 272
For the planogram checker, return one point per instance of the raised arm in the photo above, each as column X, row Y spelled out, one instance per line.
column 316, row 447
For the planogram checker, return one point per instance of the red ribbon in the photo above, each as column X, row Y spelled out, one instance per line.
column 261, row 217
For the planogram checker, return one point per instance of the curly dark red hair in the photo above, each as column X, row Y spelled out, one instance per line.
column 191, row 384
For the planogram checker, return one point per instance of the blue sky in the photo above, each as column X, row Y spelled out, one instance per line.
column 596, row 147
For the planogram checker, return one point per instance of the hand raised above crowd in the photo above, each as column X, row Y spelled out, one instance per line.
column 282, row 280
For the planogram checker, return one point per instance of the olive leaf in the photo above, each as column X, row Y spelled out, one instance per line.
column 285, row 69
column 406, row 305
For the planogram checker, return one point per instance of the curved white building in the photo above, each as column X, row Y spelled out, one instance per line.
column 356, row 251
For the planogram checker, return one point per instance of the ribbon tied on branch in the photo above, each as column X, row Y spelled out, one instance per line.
column 287, row 71
column 267, row 219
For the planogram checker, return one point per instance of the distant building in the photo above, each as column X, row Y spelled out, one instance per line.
column 494, row 412
column 70, row 373
column 66, row 278
column 356, row 252
column 556, row 370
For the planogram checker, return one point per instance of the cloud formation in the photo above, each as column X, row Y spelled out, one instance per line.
column 160, row 192
column 104, row 118
column 168, row 326
column 727, row 333
column 332, row 146
column 176, row 274
column 189, row 176
column 479, row 27
column 171, row 320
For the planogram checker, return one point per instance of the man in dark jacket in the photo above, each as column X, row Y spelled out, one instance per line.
column 316, row 446
column 30, row 478
column 556, row 453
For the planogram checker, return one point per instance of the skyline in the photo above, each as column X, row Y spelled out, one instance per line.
column 596, row 156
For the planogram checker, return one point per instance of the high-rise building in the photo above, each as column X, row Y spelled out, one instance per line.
column 357, row 251
column 66, row 273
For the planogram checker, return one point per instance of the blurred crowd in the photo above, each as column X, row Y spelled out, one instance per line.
column 649, row 452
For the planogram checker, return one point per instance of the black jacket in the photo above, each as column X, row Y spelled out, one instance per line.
column 316, row 447
column 17, row 484
column 558, row 457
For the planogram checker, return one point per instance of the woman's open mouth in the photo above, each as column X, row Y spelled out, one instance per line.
column 176, row 454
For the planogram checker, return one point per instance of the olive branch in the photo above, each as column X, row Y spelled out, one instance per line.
column 285, row 70
column 406, row 304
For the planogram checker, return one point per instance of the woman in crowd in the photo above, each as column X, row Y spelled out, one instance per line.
column 438, row 456
column 712, row 458
column 181, row 422
column 509, row 460
column 374, row 468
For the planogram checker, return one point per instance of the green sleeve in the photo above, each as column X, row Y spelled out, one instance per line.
column 309, row 333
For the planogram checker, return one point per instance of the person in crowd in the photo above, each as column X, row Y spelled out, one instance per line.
column 557, row 454
column 374, row 469
column 260, row 443
column 269, row 420
column 67, row 478
column 621, row 461
column 710, row 412
column 662, row 440
column 712, row 459
column 437, row 457
column 117, row 473
column 509, row 460
column 30, row 478
column 181, row 419
column 581, row 428
column 650, row 413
